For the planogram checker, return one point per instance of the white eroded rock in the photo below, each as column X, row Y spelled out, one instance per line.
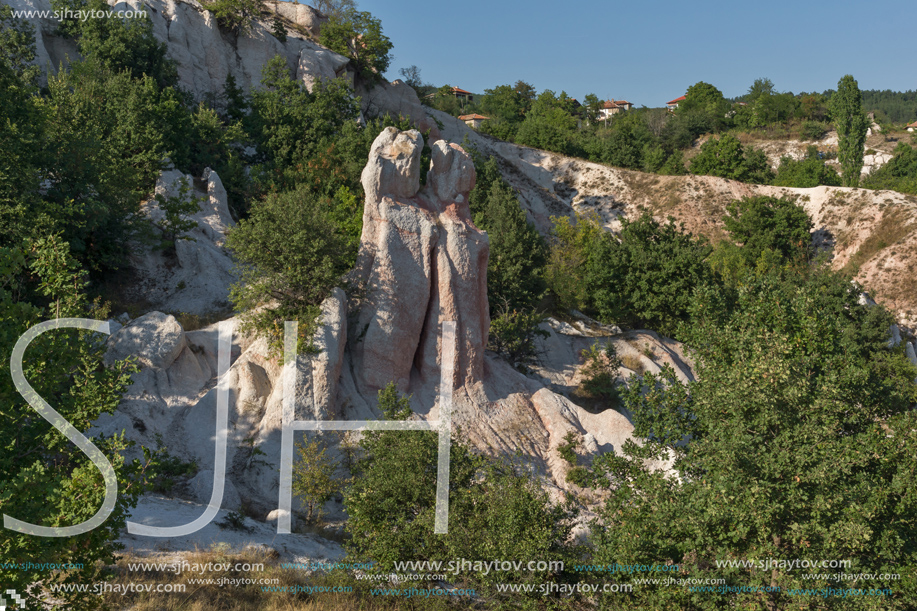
column 155, row 339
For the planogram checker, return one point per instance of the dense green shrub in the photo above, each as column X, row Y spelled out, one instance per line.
column 495, row 509
column 813, row 130
column 358, row 35
column 119, row 44
column 517, row 251
column 807, row 172
column 572, row 241
column 291, row 254
column 44, row 479
column 512, row 336
column 725, row 157
column 649, row 276
column 764, row 223
column 777, row 463
column 899, row 174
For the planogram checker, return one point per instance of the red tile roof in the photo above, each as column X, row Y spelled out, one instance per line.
column 457, row 90
column 676, row 100
column 914, row 124
column 473, row 117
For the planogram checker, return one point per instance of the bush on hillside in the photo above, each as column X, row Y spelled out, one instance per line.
column 810, row 171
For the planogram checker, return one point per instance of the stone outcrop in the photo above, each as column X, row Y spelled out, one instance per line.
column 422, row 261
column 196, row 278
column 205, row 55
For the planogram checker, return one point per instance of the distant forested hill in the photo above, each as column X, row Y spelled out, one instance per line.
column 897, row 106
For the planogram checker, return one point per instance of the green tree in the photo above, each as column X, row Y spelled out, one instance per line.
column 358, row 35
column 292, row 255
column 235, row 16
column 176, row 210
column 313, row 477
column 119, row 44
column 649, row 276
column 21, row 130
column 900, row 173
column 770, row 461
column 764, row 223
column 517, row 251
column 334, row 7
column 807, row 172
column 512, row 335
column 725, row 157
column 495, row 509
column 851, row 124
column 571, row 242
column 549, row 124
column 45, row 480
column 707, row 104
column 293, row 127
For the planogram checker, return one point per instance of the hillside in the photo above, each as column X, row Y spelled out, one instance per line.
column 873, row 233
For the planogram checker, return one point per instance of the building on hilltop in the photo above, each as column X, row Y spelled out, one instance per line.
column 612, row 107
column 672, row 105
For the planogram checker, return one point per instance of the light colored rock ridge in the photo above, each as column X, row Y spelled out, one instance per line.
column 205, row 55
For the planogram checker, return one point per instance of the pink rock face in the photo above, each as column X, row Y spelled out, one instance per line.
column 423, row 262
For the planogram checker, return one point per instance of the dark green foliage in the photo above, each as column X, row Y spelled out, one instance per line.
column 358, row 35
column 549, row 124
column 778, row 465
column 766, row 223
column 495, row 509
column 517, row 251
column 851, row 125
column 235, row 16
column 107, row 135
column 813, row 130
column 764, row 106
column 278, row 29
column 704, row 109
column 21, row 127
column 899, row 174
column 648, row 277
column 725, row 157
column 600, row 370
column 119, row 44
column 807, row 172
column 897, row 106
column 572, row 242
column 177, row 209
column 506, row 106
column 293, row 127
column 44, row 479
column 512, row 336
column 291, row 254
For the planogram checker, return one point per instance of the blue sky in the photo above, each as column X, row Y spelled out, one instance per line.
column 650, row 52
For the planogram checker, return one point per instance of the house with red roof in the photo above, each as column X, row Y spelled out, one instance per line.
column 673, row 104
column 612, row 107
column 912, row 126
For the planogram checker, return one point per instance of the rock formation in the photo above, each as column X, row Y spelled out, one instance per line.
column 205, row 55
column 422, row 261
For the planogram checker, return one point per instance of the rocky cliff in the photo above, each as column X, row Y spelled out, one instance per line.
column 205, row 54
